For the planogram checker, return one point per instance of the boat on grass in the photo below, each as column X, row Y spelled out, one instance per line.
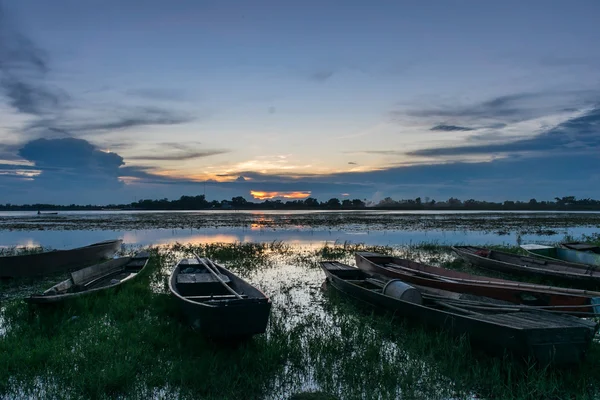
column 217, row 302
column 50, row 262
column 575, row 258
column 94, row 278
column 550, row 338
column 528, row 266
column 575, row 301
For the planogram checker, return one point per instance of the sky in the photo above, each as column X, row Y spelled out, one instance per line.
column 113, row 101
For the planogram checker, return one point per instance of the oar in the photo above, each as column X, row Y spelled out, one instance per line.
column 217, row 276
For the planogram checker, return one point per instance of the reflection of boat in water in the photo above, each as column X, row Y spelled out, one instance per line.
column 94, row 278
column 550, row 338
column 49, row 262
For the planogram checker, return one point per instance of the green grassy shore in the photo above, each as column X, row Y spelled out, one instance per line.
column 132, row 342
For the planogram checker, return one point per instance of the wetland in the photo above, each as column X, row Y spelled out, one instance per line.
column 133, row 342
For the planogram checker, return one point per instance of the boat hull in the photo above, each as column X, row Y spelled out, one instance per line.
column 577, row 259
column 230, row 320
column 528, row 266
column 500, row 289
column 546, row 345
column 140, row 261
column 39, row 264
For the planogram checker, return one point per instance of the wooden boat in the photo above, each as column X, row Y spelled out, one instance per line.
column 529, row 266
column 217, row 302
column 575, row 258
column 49, row 262
column 579, row 246
column 94, row 278
column 549, row 338
column 575, row 301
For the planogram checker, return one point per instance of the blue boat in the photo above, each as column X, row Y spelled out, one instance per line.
column 575, row 258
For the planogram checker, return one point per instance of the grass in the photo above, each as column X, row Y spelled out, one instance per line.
column 133, row 342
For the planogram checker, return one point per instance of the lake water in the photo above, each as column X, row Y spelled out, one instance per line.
column 92, row 226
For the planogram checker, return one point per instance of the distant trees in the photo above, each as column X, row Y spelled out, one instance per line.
column 239, row 202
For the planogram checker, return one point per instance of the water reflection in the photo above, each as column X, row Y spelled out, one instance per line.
column 74, row 238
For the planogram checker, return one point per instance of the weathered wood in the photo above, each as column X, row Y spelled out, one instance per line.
column 565, row 299
column 93, row 279
column 214, row 310
column 518, row 264
column 558, row 339
column 49, row 262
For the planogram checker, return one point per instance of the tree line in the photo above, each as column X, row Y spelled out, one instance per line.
column 240, row 203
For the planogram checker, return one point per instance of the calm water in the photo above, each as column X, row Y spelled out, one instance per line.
column 75, row 238
column 49, row 236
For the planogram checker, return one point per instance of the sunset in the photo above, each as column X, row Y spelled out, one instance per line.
column 299, row 200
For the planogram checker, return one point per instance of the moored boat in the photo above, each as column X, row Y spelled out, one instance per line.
column 575, row 301
column 575, row 258
column 549, row 338
column 579, row 246
column 217, row 302
column 49, row 262
column 528, row 266
column 94, row 278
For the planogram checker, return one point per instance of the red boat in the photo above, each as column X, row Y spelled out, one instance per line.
column 574, row 301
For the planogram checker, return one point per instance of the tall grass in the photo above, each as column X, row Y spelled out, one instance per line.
column 134, row 342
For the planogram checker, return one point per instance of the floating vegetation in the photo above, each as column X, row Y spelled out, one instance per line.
column 492, row 222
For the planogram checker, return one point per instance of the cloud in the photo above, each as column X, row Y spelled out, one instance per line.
column 179, row 156
column 70, row 154
column 352, row 163
column 513, row 108
column 322, row 76
column 157, row 94
column 23, row 70
column 131, row 117
column 450, row 128
column 260, row 195
column 578, row 134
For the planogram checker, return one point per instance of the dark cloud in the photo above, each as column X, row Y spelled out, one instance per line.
column 69, row 154
column 133, row 117
column 579, row 134
column 23, row 71
column 322, row 76
column 450, row 128
column 179, row 156
column 509, row 109
column 352, row 163
column 240, row 179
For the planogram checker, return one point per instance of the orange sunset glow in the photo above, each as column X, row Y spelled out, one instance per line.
column 285, row 195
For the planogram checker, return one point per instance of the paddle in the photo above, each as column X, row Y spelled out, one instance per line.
column 210, row 269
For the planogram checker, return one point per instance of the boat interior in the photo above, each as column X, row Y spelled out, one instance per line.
column 524, row 261
column 101, row 275
column 196, row 282
column 457, row 303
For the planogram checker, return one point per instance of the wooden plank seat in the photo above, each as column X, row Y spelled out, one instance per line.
column 200, row 278
column 215, row 297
